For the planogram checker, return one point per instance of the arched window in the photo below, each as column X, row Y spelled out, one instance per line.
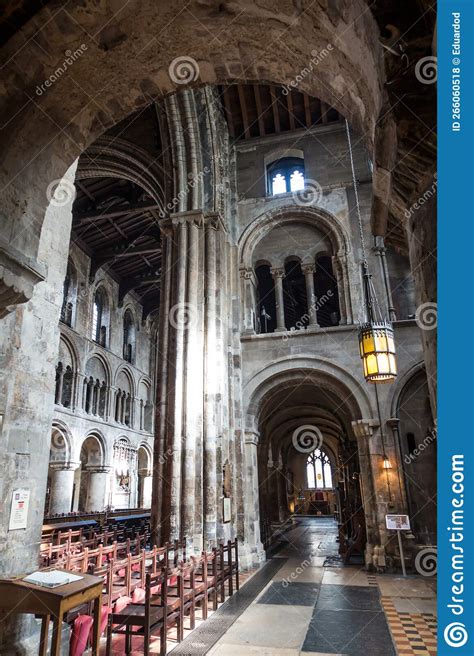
column 99, row 318
column 318, row 471
column 285, row 175
column 129, row 337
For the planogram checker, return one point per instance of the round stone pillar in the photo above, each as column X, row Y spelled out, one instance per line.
column 146, row 479
column 278, row 275
column 62, row 485
column 97, row 489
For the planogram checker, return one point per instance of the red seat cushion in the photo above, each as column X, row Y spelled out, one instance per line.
column 80, row 632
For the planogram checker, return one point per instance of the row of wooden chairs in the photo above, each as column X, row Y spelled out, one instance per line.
column 162, row 594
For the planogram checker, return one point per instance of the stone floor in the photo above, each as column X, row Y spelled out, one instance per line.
column 310, row 609
column 297, row 605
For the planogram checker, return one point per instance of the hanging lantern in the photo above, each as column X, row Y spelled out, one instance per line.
column 376, row 342
column 377, row 350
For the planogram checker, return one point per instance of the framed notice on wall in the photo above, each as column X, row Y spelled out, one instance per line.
column 227, row 510
column 19, row 509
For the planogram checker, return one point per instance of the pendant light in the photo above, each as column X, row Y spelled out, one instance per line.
column 376, row 341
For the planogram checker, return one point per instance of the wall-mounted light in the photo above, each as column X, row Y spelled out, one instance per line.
column 386, row 463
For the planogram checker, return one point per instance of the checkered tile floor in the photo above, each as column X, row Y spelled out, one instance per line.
column 412, row 633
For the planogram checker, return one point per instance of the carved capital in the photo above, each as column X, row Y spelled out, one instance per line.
column 277, row 272
column 308, row 268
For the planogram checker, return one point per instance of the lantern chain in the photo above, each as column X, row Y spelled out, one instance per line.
column 356, row 194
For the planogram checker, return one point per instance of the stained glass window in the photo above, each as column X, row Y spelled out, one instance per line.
column 318, row 470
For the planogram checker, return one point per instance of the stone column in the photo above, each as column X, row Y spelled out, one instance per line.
column 97, row 488
column 29, row 341
column 309, row 271
column 146, row 480
column 247, row 295
column 380, row 250
column 210, row 389
column 252, row 553
column 278, row 275
column 62, row 484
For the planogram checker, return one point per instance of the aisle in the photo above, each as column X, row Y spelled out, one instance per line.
column 307, row 609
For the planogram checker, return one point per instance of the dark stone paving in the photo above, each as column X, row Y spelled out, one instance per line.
column 351, row 632
column 209, row 632
column 349, row 619
column 348, row 597
column 290, row 594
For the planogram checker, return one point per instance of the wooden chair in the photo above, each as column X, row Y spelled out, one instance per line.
column 157, row 613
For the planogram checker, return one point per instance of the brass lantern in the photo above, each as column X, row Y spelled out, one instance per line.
column 377, row 350
column 376, row 342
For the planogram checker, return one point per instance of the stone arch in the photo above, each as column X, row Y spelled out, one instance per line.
column 96, row 446
column 118, row 158
column 61, row 443
column 286, row 371
column 313, row 216
column 122, row 374
column 123, row 76
column 400, row 384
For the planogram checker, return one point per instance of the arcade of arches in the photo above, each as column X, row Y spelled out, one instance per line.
column 180, row 273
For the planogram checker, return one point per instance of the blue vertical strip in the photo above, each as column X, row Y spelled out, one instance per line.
column 456, row 327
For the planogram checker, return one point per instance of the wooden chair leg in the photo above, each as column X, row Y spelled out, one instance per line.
column 237, row 582
column 109, row 637
column 204, row 606
column 163, row 637
column 128, row 641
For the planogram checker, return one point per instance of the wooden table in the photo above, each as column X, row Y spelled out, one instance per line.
column 20, row 597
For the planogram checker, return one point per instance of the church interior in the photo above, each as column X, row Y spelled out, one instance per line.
column 218, row 328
